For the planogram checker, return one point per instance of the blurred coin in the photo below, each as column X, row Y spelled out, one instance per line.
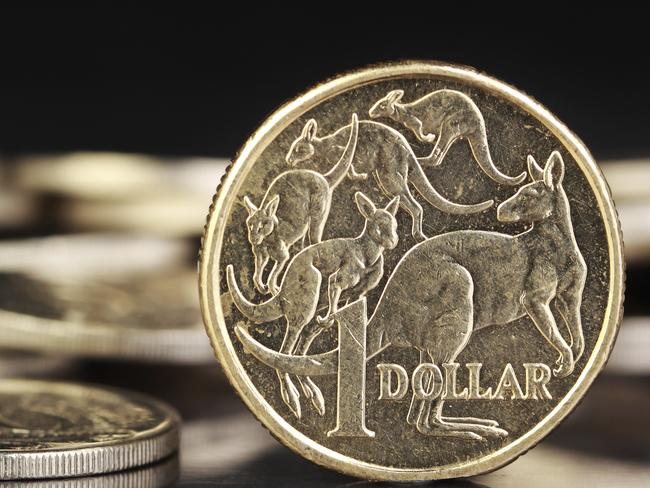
column 123, row 192
column 56, row 430
column 635, row 221
column 92, row 255
column 632, row 352
column 90, row 175
column 151, row 316
column 628, row 179
column 165, row 213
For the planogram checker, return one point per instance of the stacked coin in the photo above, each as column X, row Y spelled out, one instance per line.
column 54, row 430
column 127, row 293
column 122, row 192
column 101, row 296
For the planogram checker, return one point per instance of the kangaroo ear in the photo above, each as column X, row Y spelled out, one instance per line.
column 554, row 170
column 395, row 96
column 309, row 130
column 272, row 206
column 392, row 206
column 535, row 172
column 366, row 207
column 250, row 206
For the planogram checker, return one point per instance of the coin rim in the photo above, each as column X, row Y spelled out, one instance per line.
column 224, row 198
column 99, row 457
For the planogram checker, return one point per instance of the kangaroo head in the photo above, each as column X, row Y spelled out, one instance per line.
column 302, row 148
column 539, row 199
column 386, row 106
column 381, row 225
column 261, row 221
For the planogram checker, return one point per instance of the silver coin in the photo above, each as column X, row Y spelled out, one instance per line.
column 91, row 255
column 58, row 430
column 631, row 355
column 151, row 316
column 628, row 179
column 112, row 176
column 123, row 192
column 158, row 475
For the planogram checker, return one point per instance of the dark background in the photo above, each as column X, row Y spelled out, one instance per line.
column 198, row 82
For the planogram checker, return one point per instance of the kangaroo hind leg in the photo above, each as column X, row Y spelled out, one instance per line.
column 447, row 329
column 302, row 290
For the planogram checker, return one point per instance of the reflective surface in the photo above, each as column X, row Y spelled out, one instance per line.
column 426, row 272
column 223, row 445
column 60, row 429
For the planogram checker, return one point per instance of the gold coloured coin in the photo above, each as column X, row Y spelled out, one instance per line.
column 412, row 272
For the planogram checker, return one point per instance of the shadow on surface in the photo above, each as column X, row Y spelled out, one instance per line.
column 612, row 421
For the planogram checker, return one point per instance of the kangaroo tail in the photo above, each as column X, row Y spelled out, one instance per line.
column 264, row 312
column 484, row 159
column 422, row 185
column 340, row 169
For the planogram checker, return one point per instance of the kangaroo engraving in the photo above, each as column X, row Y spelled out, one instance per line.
column 345, row 263
column 295, row 206
column 444, row 117
column 386, row 154
column 447, row 287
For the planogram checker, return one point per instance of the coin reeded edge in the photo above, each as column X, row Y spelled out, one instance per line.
column 74, row 460
column 89, row 460
column 217, row 218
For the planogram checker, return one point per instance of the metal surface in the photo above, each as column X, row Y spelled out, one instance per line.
column 147, row 317
column 120, row 192
column 491, row 324
column 222, row 444
column 587, row 450
column 116, row 297
column 55, row 430
column 631, row 356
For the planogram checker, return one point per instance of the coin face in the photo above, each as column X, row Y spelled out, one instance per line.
column 50, row 429
column 412, row 272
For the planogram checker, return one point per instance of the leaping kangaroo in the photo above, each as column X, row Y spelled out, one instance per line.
column 443, row 117
column 295, row 206
column 386, row 154
column 346, row 263
column 451, row 285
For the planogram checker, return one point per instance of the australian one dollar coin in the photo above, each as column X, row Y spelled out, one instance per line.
column 413, row 271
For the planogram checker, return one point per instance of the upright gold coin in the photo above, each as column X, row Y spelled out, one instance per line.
column 412, row 272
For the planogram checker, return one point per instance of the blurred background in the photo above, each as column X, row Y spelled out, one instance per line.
column 116, row 124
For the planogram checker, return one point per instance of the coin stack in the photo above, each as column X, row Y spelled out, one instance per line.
column 97, row 256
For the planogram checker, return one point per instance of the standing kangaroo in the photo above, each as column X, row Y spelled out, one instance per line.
column 295, row 206
column 445, row 288
column 345, row 263
column 384, row 152
column 444, row 116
